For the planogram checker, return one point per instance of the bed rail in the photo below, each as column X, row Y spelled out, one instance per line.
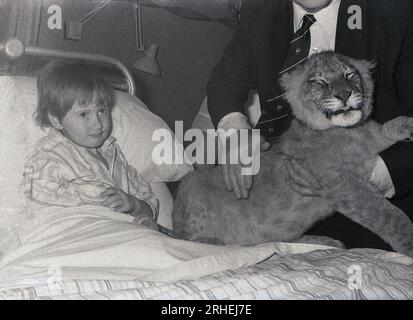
column 14, row 49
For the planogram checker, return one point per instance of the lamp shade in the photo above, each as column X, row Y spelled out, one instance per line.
column 148, row 62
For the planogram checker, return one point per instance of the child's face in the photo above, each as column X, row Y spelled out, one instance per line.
column 88, row 126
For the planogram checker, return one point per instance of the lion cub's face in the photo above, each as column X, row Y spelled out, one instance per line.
column 330, row 90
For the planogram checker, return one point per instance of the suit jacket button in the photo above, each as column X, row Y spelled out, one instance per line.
column 279, row 107
column 271, row 130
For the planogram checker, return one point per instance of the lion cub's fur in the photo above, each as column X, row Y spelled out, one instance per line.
column 331, row 98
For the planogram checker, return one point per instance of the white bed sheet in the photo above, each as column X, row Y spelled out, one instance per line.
column 96, row 243
column 94, row 253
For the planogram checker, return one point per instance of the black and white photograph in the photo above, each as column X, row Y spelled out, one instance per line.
column 219, row 151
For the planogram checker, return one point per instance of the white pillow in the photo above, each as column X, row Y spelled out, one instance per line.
column 133, row 127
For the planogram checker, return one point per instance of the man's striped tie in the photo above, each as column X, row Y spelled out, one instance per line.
column 276, row 112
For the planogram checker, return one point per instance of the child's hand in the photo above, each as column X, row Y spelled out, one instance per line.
column 118, row 200
column 143, row 215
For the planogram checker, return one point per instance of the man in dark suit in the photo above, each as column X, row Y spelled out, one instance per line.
column 379, row 30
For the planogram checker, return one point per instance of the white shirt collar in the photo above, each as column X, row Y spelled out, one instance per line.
column 326, row 18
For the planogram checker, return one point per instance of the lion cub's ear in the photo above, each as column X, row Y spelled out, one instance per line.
column 365, row 67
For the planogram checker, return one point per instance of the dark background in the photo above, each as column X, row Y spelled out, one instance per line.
column 189, row 49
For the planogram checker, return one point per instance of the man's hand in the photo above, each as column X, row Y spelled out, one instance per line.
column 234, row 179
column 381, row 179
column 302, row 179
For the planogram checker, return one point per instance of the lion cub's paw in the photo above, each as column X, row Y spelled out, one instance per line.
column 400, row 129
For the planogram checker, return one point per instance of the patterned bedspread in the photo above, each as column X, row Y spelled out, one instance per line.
column 322, row 274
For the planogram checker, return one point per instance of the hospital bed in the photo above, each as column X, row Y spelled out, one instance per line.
column 93, row 253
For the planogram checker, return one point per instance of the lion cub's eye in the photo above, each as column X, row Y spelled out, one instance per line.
column 350, row 75
column 319, row 81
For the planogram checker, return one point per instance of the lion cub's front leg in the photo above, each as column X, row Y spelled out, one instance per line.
column 353, row 197
column 399, row 129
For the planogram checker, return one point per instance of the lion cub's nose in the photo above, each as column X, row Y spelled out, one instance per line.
column 343, row 95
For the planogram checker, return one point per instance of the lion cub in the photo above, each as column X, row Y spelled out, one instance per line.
column 331, row 99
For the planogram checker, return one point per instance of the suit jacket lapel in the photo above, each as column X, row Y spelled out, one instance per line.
column 273, row 34
column 283, row 32
column 350, row 42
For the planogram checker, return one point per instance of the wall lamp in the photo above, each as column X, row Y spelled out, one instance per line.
column 73, row 29
column 148, row 62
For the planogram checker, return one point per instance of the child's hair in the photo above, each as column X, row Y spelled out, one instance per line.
column 61, row 84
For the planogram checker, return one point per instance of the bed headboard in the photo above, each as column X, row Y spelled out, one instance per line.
column 14, row 49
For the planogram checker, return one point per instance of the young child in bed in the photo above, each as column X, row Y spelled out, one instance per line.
column 78, row 162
